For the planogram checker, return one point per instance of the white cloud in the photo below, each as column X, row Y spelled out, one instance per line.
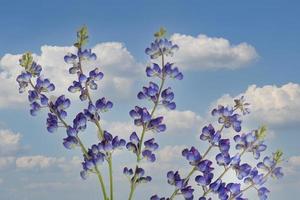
column 271, row 104
column 168, row 158
column 42, row 162
column 113, row 59
column 180, row 122
column 6, row 162
column 49, row 185
column 203, row 52
column 9, row 142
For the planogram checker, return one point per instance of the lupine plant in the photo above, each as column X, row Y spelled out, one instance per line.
column 203, row 174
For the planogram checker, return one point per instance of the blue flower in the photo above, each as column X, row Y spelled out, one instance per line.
column 79, row 123
column 192, row 155
column 70, row 142
column 161, row 47
column 155, row 197
column 140, row 115
column 251, row 143
column 156, row 125
column 172, row 72
column 23, row 80
column 87, row 54
column 127, row 171
column 103, row 105
column 134, row 143
column 209, row 134
column 150, row 146
column 167, row 97
column 262, row 193
column 60, row 105
column 44, row 85
column 255, row 178
column 52, row 123
column 153, row 70
column 269, row 165
column 70, row 58
column 242, row 171
column 204, row 179
column 227, row 117
column 150, row 92
column 223, row 159
column 205, row 166
column 110, row 143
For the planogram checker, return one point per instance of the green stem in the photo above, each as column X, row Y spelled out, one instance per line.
column 139, row 151
column 101, row 183
column 111, row 177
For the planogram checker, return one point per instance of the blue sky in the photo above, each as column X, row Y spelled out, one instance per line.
column 260, row 59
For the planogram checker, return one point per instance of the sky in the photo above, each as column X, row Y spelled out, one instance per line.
column 227, row 49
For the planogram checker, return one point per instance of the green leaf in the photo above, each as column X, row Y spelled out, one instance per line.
column 278, row 156
column 161, row 33
column 82, row 37
column 261, row 132
column 26, row 60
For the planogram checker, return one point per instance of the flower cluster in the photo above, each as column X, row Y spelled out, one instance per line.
column 228, row 157
column 100, row 152
column 251, row 176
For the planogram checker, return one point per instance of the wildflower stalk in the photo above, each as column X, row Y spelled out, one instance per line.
column 83, row 148
column 144, row 130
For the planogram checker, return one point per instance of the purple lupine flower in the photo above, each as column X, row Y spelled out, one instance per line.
column 172, row 72
column 23, row 80
column 134, row 143
column 60, row 105
column 262, row 193
column 204, row 179
column 70, row 58
column 205, row 166
column 155, row 197
column 223, row 159
column 161, row 47
column 150, row 146
column 224, row 145
column 156, row 125
column 103, row 105
column 242, row 170
column 127, row 171
column 52, row 123
column 140, row 115
column 192, row 155
column 87, row 54
column 44, row 85
column 255, row 177
column 251, row 143
column 227, row 117
column 269, row 165
column 150, row 92
column 209, row 134
column 153, row 70
column 110, row 143
column 79, row 123
column 70, row 142
column 167, row 96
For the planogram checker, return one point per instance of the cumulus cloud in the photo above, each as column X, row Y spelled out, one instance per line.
column 38, row 161
column 203, row 52
column 270, row 104
column 180, row 122
column 114, row 59
column 6, row 162
column 9, row 142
